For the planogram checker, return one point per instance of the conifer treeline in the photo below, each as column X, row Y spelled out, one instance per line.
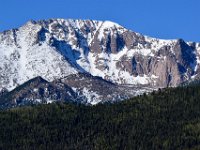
column 167, row 119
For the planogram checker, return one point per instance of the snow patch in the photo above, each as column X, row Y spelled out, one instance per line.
column 92, row 97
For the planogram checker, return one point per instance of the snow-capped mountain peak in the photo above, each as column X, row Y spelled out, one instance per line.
column 56, row 48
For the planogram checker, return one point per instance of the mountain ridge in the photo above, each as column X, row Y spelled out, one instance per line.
column 76, row 88
column 56, row 48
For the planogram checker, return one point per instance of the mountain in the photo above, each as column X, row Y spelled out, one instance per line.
column 76, row 88
column 35, row 91
column 56, row 48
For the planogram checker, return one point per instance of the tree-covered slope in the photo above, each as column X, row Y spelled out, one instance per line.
column 167, row 119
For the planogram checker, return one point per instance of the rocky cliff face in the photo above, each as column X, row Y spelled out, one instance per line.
column 56, row 48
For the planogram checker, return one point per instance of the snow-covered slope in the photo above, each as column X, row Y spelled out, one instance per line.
column 79, row 88
column 56, row 48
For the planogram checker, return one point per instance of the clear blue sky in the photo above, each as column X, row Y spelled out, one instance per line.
column 166, row 19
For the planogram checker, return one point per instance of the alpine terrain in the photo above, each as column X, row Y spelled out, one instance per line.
column 89, row 62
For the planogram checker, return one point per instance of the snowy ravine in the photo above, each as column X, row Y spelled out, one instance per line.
column 56, row 48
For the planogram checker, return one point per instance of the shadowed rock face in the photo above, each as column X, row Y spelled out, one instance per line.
column 37, row 90
column 56, row 48
column 80, row 88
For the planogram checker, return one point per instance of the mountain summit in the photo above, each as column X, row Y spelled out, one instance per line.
column 56, row 48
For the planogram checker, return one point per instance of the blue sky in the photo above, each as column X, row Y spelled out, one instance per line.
column 167, row 19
